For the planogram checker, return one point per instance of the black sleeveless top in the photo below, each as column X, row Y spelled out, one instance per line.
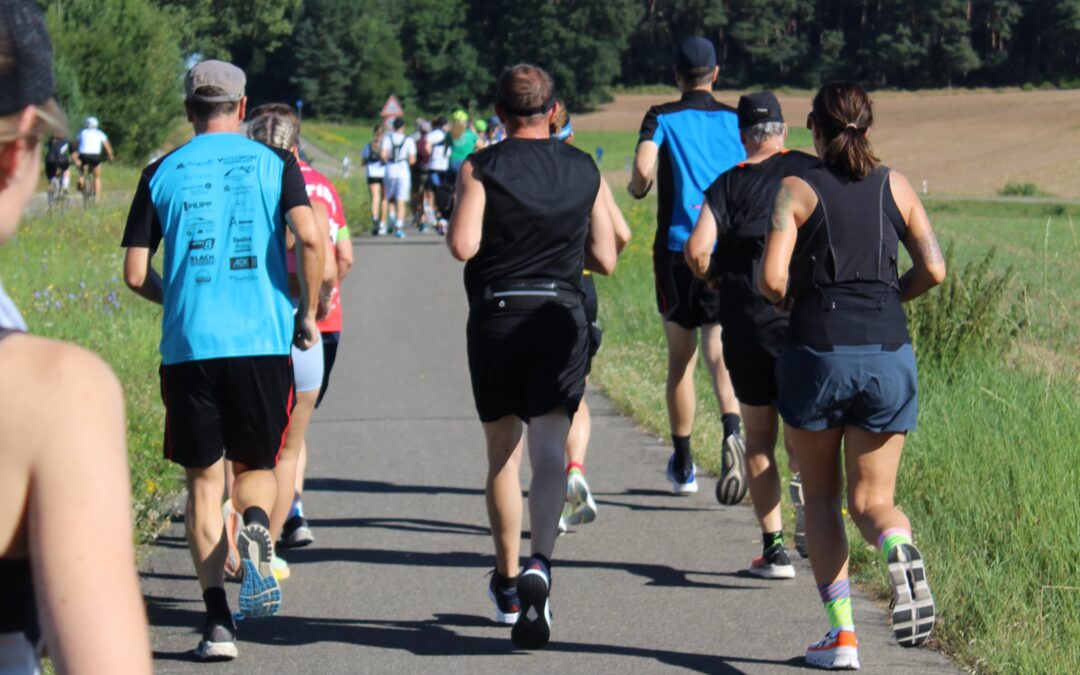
column 18, row 610
column 844, row 270
column 539, row 198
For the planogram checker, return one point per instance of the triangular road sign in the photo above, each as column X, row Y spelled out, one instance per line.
column 392, row 108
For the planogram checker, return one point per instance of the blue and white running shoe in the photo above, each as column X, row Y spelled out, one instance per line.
column 533, row 627
column 260, row 594
column 682, row 487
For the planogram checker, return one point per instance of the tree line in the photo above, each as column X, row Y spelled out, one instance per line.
column 123, row 60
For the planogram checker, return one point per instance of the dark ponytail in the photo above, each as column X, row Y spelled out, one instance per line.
column 843, row 115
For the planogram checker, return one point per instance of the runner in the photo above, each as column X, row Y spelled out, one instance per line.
column 437, row 168
column 278, row 126
column 89, row 145
column 847, row 373
column 58, row 160
column 220, row 204
column 371, row 158
column 695, row 139
column 399, row 155
column 419, row 173
column 527, row 333
column 463, row 141
column 482, row 140
column 580, row 507
column 739, row 202
column 65, row 496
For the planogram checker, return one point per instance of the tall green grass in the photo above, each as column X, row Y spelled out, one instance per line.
column 65, row 274
column 990, row 477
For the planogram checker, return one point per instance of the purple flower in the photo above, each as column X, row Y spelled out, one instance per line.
column 82, row 284
column 56, row 304
column 37, row 295
column 71, row 296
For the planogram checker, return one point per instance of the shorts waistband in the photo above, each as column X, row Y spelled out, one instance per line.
column 883, row 347
column 534, row 288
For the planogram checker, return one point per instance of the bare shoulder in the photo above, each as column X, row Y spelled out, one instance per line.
column 900, row 184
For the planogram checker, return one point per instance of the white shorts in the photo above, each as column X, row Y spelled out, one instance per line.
column 308, row 367
column 398, row 189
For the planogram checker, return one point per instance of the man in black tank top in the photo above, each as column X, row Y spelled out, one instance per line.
column 736, row 222
column 527, row 332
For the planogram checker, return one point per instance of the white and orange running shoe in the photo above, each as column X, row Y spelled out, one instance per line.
column 838, row 651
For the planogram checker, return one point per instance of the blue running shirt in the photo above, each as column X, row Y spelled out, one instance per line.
column 218, row 203
column 699, row 140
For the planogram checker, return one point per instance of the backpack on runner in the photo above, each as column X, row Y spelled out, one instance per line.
column 423, row 152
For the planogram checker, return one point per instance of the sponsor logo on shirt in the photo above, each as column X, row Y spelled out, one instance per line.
column 203, row 277
column 242, row 244
column 201, row 259
column 197, row 205
column 197, row 189
column 241, row 222
column 201, row 245
column 239, row 173
column 236, row 159
column 245, row 262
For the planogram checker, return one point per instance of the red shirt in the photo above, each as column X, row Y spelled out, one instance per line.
column 320, row 189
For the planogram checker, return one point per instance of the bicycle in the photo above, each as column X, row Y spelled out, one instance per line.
column 88, row 186
column 58, row 192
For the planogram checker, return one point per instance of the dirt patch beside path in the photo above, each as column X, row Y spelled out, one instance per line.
column 961, row 142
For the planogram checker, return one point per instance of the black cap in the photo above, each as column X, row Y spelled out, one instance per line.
column 695, row 53
column 29, row 81
column 758, row 108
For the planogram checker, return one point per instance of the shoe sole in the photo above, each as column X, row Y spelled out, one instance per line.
column 732, row 486
column 913, row 605
column 260, row 593
column 582, row 505
column 773, row 572
column 506, row 618
column 795, row 488
column 216, row 651
column 840, row 658
column 533, row 627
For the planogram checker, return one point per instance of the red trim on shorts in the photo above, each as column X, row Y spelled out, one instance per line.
column 288, row 415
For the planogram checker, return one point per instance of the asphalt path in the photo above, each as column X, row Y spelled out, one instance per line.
column 396, row 581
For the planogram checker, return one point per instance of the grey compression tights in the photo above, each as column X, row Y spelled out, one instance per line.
column 547, row 492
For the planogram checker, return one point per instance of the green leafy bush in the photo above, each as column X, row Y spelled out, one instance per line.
column 1014, row 189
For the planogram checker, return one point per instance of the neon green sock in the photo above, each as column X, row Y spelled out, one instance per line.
column 890, row 539
column 837, row 600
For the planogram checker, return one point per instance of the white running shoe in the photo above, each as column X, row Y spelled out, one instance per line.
column 580, row 506
column 913, row 605
column 838, row 651
column 218, row 643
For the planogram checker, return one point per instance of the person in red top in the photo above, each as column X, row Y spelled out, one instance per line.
column 278, row 125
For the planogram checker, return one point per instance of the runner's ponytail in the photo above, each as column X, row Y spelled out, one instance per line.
column 843, row 115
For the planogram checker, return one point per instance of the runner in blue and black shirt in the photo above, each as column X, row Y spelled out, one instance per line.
column 692, row 140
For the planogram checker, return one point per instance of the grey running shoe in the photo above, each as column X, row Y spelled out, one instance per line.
column 218, row 643
column 732, row 486
column 913, row 605
column 773, row 564
column 795, row 487
column 581, row 508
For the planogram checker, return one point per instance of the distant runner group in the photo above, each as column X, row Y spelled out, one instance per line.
column 785, row 264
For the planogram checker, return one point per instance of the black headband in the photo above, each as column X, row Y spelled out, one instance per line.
column 527, row 112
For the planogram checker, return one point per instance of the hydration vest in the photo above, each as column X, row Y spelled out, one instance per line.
column 844, row 269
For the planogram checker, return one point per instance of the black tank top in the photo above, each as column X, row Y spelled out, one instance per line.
column 539, row 197
column 844, row 270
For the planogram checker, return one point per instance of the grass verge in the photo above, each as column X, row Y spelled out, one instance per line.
column 988, row 478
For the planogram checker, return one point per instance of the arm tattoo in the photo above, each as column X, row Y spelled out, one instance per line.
column 929, row 249
column 781, row 209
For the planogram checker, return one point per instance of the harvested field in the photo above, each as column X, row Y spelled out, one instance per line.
column 961, row 142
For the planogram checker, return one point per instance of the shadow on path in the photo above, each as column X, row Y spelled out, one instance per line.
column 381, row 487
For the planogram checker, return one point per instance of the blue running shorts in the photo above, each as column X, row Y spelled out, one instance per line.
column 872, row 387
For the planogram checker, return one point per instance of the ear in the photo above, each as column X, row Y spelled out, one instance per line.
column 785, row 133
column 242, row 108
column 553, row 113
column 18, row 151
column 715, row 73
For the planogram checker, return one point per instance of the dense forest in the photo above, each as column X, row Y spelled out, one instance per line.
column 124, row 59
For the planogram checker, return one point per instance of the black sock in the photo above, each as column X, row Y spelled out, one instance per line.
column 217, row 606
column 770, row 539
column 683, row 458
column 504, row 583
column 731, row 423
column 253, row 514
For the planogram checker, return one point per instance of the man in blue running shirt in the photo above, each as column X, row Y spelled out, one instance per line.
column 220, row 205
column 693, row 140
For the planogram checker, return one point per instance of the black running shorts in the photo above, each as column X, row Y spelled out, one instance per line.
column 592, row 313
column 240, row 406
column 751, row 366
column 680, row 296
column 527, row 355
column 91, row 161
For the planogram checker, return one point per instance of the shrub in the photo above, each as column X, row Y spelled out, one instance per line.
column 1014, row 189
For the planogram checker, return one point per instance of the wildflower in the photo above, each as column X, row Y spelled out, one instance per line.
column 82, row 285
column 56, row 304
column 71, row 296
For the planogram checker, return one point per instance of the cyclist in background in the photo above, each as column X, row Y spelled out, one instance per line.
column 89, row 144
column 58, row 164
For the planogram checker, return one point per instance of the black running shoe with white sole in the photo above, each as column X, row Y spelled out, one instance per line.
column 913, row 605
column 533, row 627
column 296, row 533
column 773, row 564
column 505, row 597
column 795, row 488
column 260, row 594
column 218, row 642
column 732, row 486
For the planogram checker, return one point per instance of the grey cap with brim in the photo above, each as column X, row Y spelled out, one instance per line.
column 219, row 74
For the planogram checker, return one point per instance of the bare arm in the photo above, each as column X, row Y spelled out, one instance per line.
column 794, row 203
column 140, row 276
column 622, row 229
column 311, row 243
column 467, row 223
column 78, row 474
column 344, row 248
column 699, row 247
column 329, row 276
column 600, row 248
column 928, row 269
column 644, row 163
column 109, row 150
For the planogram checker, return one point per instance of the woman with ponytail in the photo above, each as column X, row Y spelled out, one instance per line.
column 847, row 375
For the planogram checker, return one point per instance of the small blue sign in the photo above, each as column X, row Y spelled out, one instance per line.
column 599, row 153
